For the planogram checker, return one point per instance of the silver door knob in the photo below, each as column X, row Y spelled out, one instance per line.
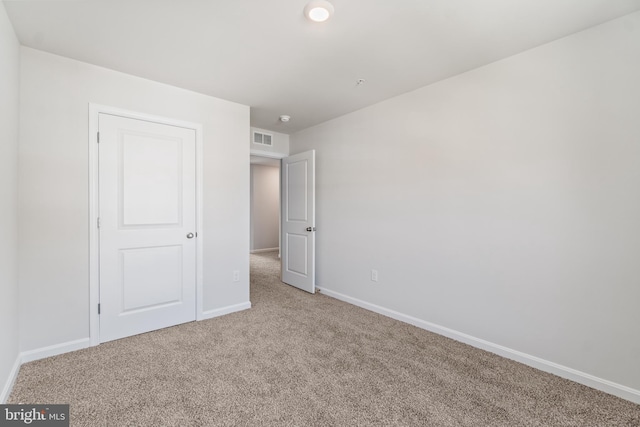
column 190, row 236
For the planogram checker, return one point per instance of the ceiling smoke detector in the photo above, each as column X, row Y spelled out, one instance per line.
column 318, row 10
column 284, row 118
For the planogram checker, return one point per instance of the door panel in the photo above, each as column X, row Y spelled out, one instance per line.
column 297, row 254
column 298, row 221
column 147, row 209
column 296, row 182
column 151, row 190
column 161, row 266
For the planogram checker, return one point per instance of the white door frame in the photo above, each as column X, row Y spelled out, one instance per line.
column 268, row 154
column 94, row 242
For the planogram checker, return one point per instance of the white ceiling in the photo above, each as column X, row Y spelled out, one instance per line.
column 264, row 54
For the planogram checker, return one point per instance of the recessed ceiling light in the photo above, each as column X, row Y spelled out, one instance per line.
column 284, row 118
column 318, row 10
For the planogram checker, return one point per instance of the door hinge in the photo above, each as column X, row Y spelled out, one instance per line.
column 98, row 222
column 98, row 137
column 98, row 308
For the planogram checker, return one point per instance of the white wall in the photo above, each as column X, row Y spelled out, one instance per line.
column 53, row 186
column 265, row 207
column 503, row 203
column 9, row 105
column 280, row 142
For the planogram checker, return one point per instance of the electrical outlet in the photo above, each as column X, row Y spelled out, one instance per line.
column 236, row 275
column 374, row 275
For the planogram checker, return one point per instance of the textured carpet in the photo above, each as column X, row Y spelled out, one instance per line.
column 297, row 359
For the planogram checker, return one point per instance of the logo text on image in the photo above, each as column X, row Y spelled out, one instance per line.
column 34, row 415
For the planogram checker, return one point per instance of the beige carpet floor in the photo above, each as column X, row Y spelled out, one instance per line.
column 297, row 359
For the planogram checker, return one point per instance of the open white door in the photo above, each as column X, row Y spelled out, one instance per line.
column 299, row 221
column 147, row 226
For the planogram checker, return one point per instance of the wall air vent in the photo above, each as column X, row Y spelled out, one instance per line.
column 262, row 138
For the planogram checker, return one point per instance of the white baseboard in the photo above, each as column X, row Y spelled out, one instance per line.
column 36, row 354
column 8, row 386
column 258, row 251
column 54, row 350
column 216, row 312
column 589, row 380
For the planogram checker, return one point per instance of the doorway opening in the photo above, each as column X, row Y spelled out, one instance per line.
column 291, row 194
column 264, row 205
